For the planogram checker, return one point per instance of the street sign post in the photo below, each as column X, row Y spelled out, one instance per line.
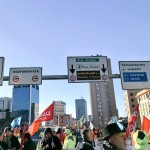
column 25, row 76
column 1, row 70
column 87, row 69
column 135, row 74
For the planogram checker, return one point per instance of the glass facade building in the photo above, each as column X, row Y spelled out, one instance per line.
column 24, row 96
column 81, row 108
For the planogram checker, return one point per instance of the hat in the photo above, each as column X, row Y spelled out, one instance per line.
column 7, row 129
column 27, row 135
column 67, row 131
column 140, row 139
column 110, row 130
column 48, row 130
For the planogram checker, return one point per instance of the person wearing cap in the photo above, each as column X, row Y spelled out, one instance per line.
column 10, row 140
column 50, row 141
column 59, row 134
column 28, row 143
column 88, row 138
column 69, row 142
column 3, row 145
column 140, row 140
column 114, row 138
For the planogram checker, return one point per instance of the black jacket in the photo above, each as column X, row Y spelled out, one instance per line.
column 3, row 145
column 48, row 142
column 29, row 145
column 87, row 145
column 108, row 146
column 14, row 142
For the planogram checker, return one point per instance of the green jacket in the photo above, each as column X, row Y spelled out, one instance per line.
column 141, row 141
column 69, row 142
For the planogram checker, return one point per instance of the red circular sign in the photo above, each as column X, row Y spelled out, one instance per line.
column 72, row 78
column 15, row 78
column 35, row 78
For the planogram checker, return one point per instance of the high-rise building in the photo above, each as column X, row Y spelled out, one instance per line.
column 59, row 108
column 81, row 108
column 5, row 103
column 24, row 98
column 60, row 116
column 103, row 103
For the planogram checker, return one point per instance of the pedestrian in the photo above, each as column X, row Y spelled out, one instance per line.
column 10, row 140
column 50, row 141
column 59, row 134
column 87, row 143
column 69, row 142
column 140, row 140
column 3, row 145
column 28, row 143
column 114, row 138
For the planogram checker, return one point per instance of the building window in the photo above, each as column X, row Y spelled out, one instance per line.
column 132, row 100
column 133, row 105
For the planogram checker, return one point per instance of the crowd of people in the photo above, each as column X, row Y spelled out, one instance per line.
column 112, row 138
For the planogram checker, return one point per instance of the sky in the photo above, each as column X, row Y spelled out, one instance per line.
column 44, row 33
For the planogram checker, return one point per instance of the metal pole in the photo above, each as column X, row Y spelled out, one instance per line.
column 30, row 104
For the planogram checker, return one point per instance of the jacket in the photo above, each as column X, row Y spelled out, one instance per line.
column 87, row 145
column 46, row 143
column 108, row 146
column 69, row 142
column 29, row 145
column 14, row 142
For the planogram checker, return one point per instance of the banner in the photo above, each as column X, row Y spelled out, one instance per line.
column 146, row 126
column 131, row 121
column 46, row 115
column 16, row 122
column 81, row 121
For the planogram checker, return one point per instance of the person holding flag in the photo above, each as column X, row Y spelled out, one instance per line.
column 46, row 115
column 50, row 141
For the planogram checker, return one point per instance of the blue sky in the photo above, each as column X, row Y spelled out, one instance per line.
column 44, row 33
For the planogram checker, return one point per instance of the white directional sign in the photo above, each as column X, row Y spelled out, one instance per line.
column 87, row 69
column 1, row 70
column 135, row 74
column 25, row 76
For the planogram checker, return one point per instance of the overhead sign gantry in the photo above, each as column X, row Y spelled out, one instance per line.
column 87, row 69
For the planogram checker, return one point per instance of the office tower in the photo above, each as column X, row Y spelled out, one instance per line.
column 81, row 108
column 59, row 114
column 24, row 97
column 59, row 108
column 5, row 103
column 103, row 104
column 132, row 99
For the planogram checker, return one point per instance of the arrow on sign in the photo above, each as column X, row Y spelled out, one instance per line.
column 103, row 69
column 72, row 70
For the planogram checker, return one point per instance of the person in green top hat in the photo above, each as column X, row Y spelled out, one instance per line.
column 141, row 140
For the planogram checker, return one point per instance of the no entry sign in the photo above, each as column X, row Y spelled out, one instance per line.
column 25, row 76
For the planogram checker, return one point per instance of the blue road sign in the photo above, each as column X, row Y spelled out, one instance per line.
column 135, row 77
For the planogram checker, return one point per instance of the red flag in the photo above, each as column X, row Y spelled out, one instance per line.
column 131, row 121
column 46, row 115
column 146, row 126
column 34, row 127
